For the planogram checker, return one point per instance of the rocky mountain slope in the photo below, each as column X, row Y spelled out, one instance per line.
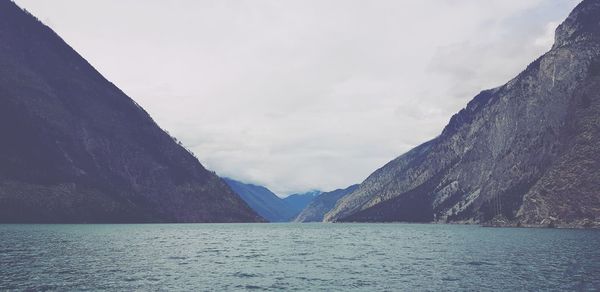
column 263, row 201
column 75, row 148
column 322, row 204
column 525, row 153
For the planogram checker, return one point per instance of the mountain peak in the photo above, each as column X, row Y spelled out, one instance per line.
column 582, row 24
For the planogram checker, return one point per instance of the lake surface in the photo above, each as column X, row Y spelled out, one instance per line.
column 347, row 257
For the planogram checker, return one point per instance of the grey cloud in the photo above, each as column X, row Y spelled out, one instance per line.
column 300, row 95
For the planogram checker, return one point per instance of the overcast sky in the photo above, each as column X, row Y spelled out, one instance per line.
column 300, row 95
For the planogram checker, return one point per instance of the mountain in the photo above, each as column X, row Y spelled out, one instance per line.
column 525, row 153
column 298, row 202
column 76, row 149
column 269, row 205
column 322, row 204
column 263, row 201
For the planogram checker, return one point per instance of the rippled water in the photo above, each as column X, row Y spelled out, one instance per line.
column 362, row 257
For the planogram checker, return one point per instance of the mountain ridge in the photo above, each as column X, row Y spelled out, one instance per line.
column 76, row 149
column 499, row 158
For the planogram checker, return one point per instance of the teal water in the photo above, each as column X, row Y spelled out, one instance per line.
column 303, row 257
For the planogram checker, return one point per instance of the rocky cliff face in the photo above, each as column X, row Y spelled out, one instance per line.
column 74, row 148
column 525, row 153
column 322, row 204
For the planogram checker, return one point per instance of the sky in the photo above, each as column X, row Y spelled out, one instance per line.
column 303, row 95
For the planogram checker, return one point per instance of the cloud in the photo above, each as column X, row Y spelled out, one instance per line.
column 300, row 95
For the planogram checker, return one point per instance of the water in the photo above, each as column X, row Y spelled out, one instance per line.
column 324, row 257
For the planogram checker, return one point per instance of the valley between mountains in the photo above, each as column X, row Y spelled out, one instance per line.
column 76, row 149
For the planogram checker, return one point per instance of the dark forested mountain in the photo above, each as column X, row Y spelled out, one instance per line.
column 322, row 204
column 298, row 202
column 527, row 152
column 75, row 148
column 263, row 201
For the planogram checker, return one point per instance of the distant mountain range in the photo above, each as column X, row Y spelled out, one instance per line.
column 298, row 202
column 76, row 149
column 526, row 153
column 263, row 201
column 269, row 205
